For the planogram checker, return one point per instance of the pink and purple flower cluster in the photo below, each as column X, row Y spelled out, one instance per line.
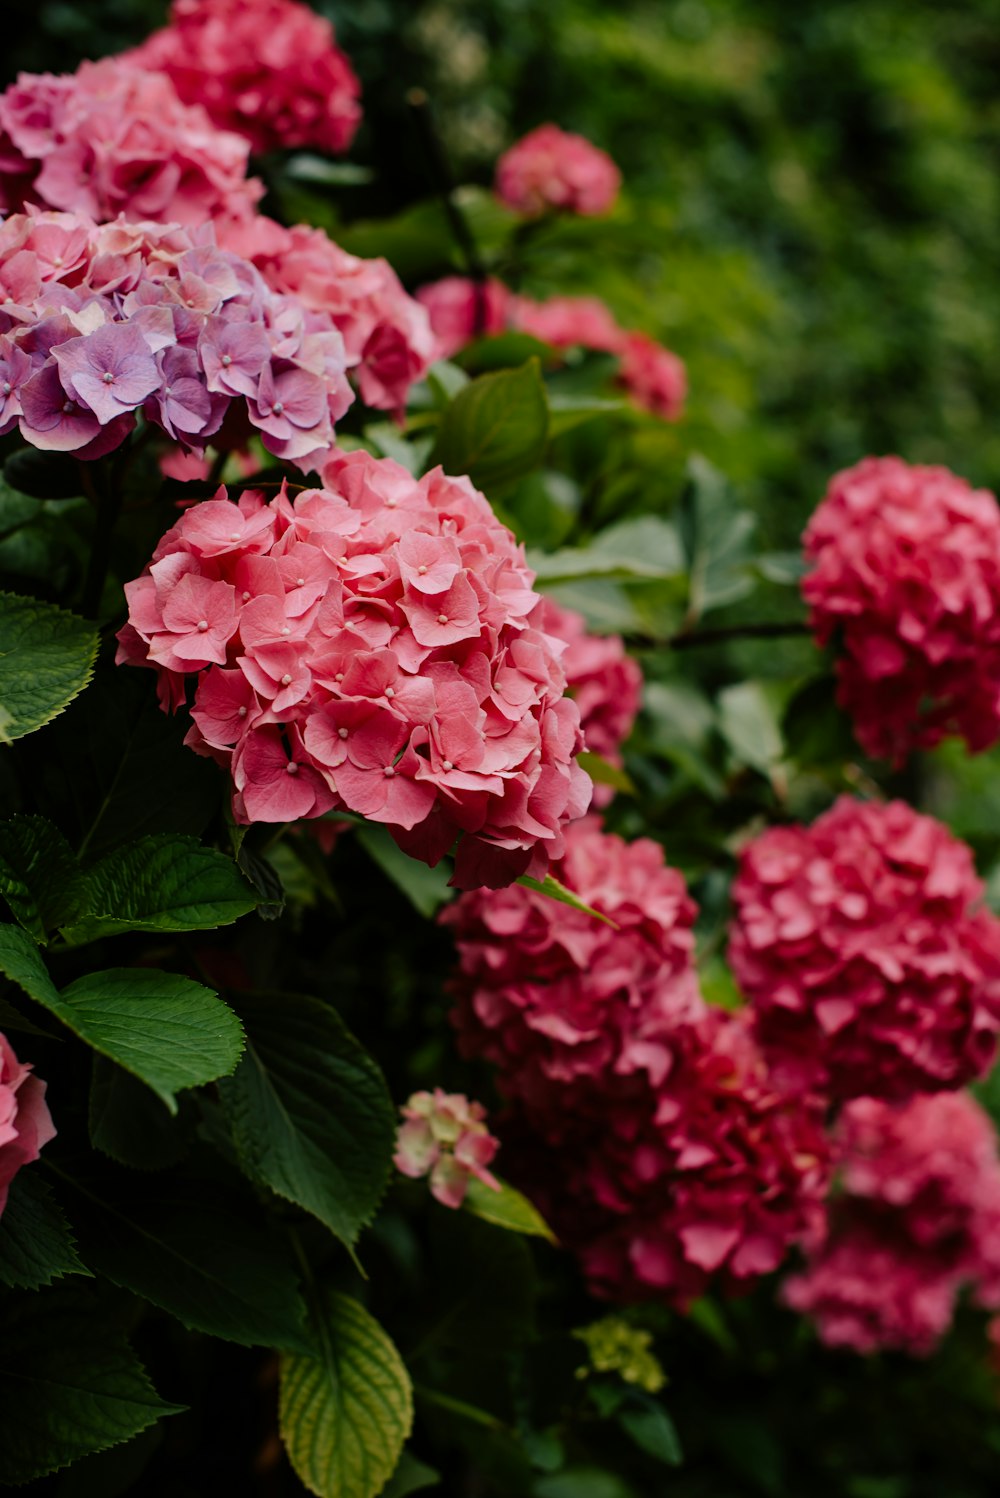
column 374, row 646
column 114, row 139
column 99, row 324
column 267, row 69
column 863, row 946
column 916, row 1220
column 25, row 1122
column 550, row 170
column 906, row 583
column 444, row 1136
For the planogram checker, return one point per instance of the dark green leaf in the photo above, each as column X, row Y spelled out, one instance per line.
column 426, row 889
column 44, row 475
column 496, row 428
column 39, row 876
column 346, row 1407
column 502, row 351
column 652, row 1430
column 46, row 659
column 36, row 1245
column 411, row 1476
column 716, row 535
column 309, row 1110
column 129, row 1123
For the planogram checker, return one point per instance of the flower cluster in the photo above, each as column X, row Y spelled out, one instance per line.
column 25, row 1121
column 863, row 947
column 906, row 582
column 444, row 1135
column 114, row 139
column 551, row 170
column 268, row 69
column 375, row 646
column 459, row 309
column 918, row 1218
column 387, row 335
column 653, row 1138
column 99, row 323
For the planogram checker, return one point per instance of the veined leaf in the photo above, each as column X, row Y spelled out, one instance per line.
column 39, row 876
column 46, row 659
column 496, row 428
column 36, row 1245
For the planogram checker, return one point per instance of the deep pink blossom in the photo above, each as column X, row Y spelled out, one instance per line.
column 25, row 1121
column 906, row 584
column 116, row 139
column 445, row 1136
column 269, row 69
column 863, row 946
column 653, row 376
column 375, row 646
column 461, row 309
column 552, row 170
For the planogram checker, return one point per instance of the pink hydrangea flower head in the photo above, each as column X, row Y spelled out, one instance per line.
column 906, row 584
column 864, row 949
column 652, row 376
column 552, row 170
column 25, row 1121
column 374, row 647
column 268, row 69
column 445, row 1136
column 116, row 139
column 569, row 322
column 915, row 1221
column 461, row 309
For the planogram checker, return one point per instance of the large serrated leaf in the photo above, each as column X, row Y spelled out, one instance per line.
column 167, row 1030
column 162, row 883
column 346, row 1408
column 36, row 1245
column 309, row 1110
column 496, row 428
column 46, row 659
column 39, row 875
column 69, row 1384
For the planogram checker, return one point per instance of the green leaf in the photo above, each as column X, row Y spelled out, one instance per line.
column 128, row 1123
column 46, row 659
column 603, row 772
column 39, row 876
column 411, row 1476
column 69, row 1384
column 646, row 547
column 550, row 886
column 345, row 1408
column 652, row 1430
column 502, row 351
column 36, row 1245
column 496, row 428
column 749, row 721
column 506, row 1208
column 567, row 412
column 195, row 1253
column 716, row 535
column 44, row 475
column 309, row 1111
column 583, row 1482
column 162, row 883
column 165, row 1029
column 425, row 888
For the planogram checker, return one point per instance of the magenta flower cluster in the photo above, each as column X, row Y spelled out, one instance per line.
column 25, row 1122
column 553, row 171
column 374, row 646
column 916, row 1220
column 387, row 335
column 114, row 139
column 862, row 943
column 906, row 584
column 268, row 69
column 101, row 324
column 444, row 1136
column 652, row 1135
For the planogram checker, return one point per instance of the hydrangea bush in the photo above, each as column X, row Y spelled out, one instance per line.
column 494, row 961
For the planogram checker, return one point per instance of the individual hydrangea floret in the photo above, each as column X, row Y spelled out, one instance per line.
column 268, row 69
column 552, row 170
column 916, row 1219
column 568, row 1008
column 114, row 139
column 387, row 334
column 374, row 646
column 460, row 309
column 906, row 584
column 444, row 1135
column 652, row 376
column 864, row 948
column 25, row 1122
column 99, row 323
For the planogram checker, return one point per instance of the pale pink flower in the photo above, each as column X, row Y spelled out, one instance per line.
column 445, row 1136
column 25, row 1122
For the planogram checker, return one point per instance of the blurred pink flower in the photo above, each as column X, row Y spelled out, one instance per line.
column 444, row 1135
column 552, row 170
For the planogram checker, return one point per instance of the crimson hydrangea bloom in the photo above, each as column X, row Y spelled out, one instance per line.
column 916, row 1219
column 444, row 1135
column 862, row 944
column 374, row 646
column 906, row 582
column 552, row 169
column 104, row 321
column 115, row 139
column 269, row 69
column 25, row 1121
